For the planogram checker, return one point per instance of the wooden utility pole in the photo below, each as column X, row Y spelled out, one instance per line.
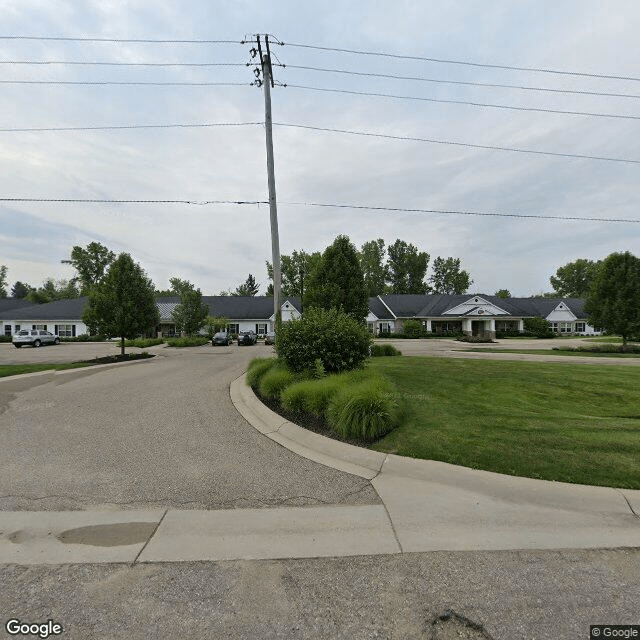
column 267, row 83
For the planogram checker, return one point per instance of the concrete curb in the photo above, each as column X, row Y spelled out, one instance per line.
column 438, row 506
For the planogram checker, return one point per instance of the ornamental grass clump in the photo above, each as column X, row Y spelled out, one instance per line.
column 257, row 368
column 275, row 381
column 384, row 350
column 364, row 411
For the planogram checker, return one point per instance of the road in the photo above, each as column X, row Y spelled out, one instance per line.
column 163, row 433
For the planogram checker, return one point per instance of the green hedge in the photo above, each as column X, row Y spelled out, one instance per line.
column 187, row 341
column 384, row 350
column 143, row 343
column 331, row 336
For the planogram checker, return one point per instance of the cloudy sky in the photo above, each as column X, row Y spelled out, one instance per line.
column 217, row 246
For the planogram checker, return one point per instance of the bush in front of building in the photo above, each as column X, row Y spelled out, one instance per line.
column 539, row 327
column 187, row 341
column 143, row 343
column 339, row 341
column 378, row 350
column 85, row 337
column 413, row 329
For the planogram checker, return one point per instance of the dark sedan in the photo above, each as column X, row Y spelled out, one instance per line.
column 247, row 337
column 222, row 337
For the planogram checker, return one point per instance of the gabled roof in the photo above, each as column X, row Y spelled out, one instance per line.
column 231, row 307
column 378, row 309
column 9, row 304
column 59, row 310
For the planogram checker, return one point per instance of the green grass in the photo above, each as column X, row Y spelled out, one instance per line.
column 565, row 422
column 17, row 369
column 566, row 351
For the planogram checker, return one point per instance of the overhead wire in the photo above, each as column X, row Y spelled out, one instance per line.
column 124, row 64
column 129, row 40
column 193, row 202
column 465, row 62
column 464, row 102
column 127, row 83
column 195, row 125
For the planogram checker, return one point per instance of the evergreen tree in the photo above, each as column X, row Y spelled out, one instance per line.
column 247, row 288
column 338, row 281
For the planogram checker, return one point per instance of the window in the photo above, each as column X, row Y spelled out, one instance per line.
column 370, row 327
column 566, row 327
column 17, row 328
column 261, row 328
column 233, row 328
column 580, row 327
column 554, row 327
column 40, row 327
column 385, row 327
column 66, row 330
column 7, row 329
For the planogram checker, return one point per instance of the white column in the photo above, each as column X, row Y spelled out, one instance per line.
column 428, row 326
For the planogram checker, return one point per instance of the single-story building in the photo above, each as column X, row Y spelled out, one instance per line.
column 474, row 314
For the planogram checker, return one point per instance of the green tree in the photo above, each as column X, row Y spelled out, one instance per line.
column 91, row 263
column 502, row 293
column 20, row 290
column 406, row 268
column 448, row 277
column 213, row 324
column 372, row 262
column 52, row 290
column 613, row 302
column 122, row 304
column 247, row 288
column 190, row 315
column 296, row 271
column 338, row 282
column 3, row 281
column 574, row 279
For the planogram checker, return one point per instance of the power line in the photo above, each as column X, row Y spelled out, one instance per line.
column 200, row 203
column 449, row 211
column 196, row 125
column 312, row 204
column 127, row 83
column 464, row 62
column 459, row 82
column 474, row 104
column 125, row 64
column 449, row 142
column 135, row 40
column 176, row 125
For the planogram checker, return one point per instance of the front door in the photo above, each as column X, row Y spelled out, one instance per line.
column 477, row 327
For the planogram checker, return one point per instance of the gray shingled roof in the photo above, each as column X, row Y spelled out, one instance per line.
column 8, row 305
column 379, row 310
column 58, row 310
column 232, row 307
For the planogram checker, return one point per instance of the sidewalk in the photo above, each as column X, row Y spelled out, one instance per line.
column 426, row 506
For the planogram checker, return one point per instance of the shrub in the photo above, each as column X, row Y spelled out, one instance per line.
column 143, row 343
column 5, row 338
column 275, row 381
column 296, row 396
column 257, row 368
column 384, row 350
column 335, row 338
column 412, row 329
column 187, row 341
column 365, row 411
column 539, row 327
column 85, row 337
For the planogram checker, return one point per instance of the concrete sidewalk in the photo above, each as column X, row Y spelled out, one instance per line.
column 426, row 506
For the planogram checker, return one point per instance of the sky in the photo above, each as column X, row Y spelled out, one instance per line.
column 216, row 246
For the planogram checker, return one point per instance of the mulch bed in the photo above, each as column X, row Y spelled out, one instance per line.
column 309, row 421
column 127, row 357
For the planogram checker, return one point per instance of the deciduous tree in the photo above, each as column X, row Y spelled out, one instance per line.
column 371, row 257
column 3, row 281
column 448, row 277
column 406, row 268
column 91, row 263
column 613, row 302
column 20, row 290
column 574, row 279
column 503, row 293
column 122, row 303
column 296, row 271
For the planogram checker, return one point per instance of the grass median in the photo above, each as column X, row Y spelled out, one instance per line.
column 565, row 422
column 17, row 369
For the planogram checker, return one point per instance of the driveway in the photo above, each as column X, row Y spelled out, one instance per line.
column 152, row 434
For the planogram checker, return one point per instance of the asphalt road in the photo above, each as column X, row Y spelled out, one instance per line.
column 163, row 433
column 158, row 433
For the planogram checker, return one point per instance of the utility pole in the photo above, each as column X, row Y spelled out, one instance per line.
column 267, row 83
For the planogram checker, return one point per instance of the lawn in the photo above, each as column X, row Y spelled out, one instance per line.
column 556, row 352
column 566, row 422
column 16, row 369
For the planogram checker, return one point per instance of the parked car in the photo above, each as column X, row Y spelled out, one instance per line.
column 34, row 337
column 270, row 337
column 222, row 337
column 247, row 337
